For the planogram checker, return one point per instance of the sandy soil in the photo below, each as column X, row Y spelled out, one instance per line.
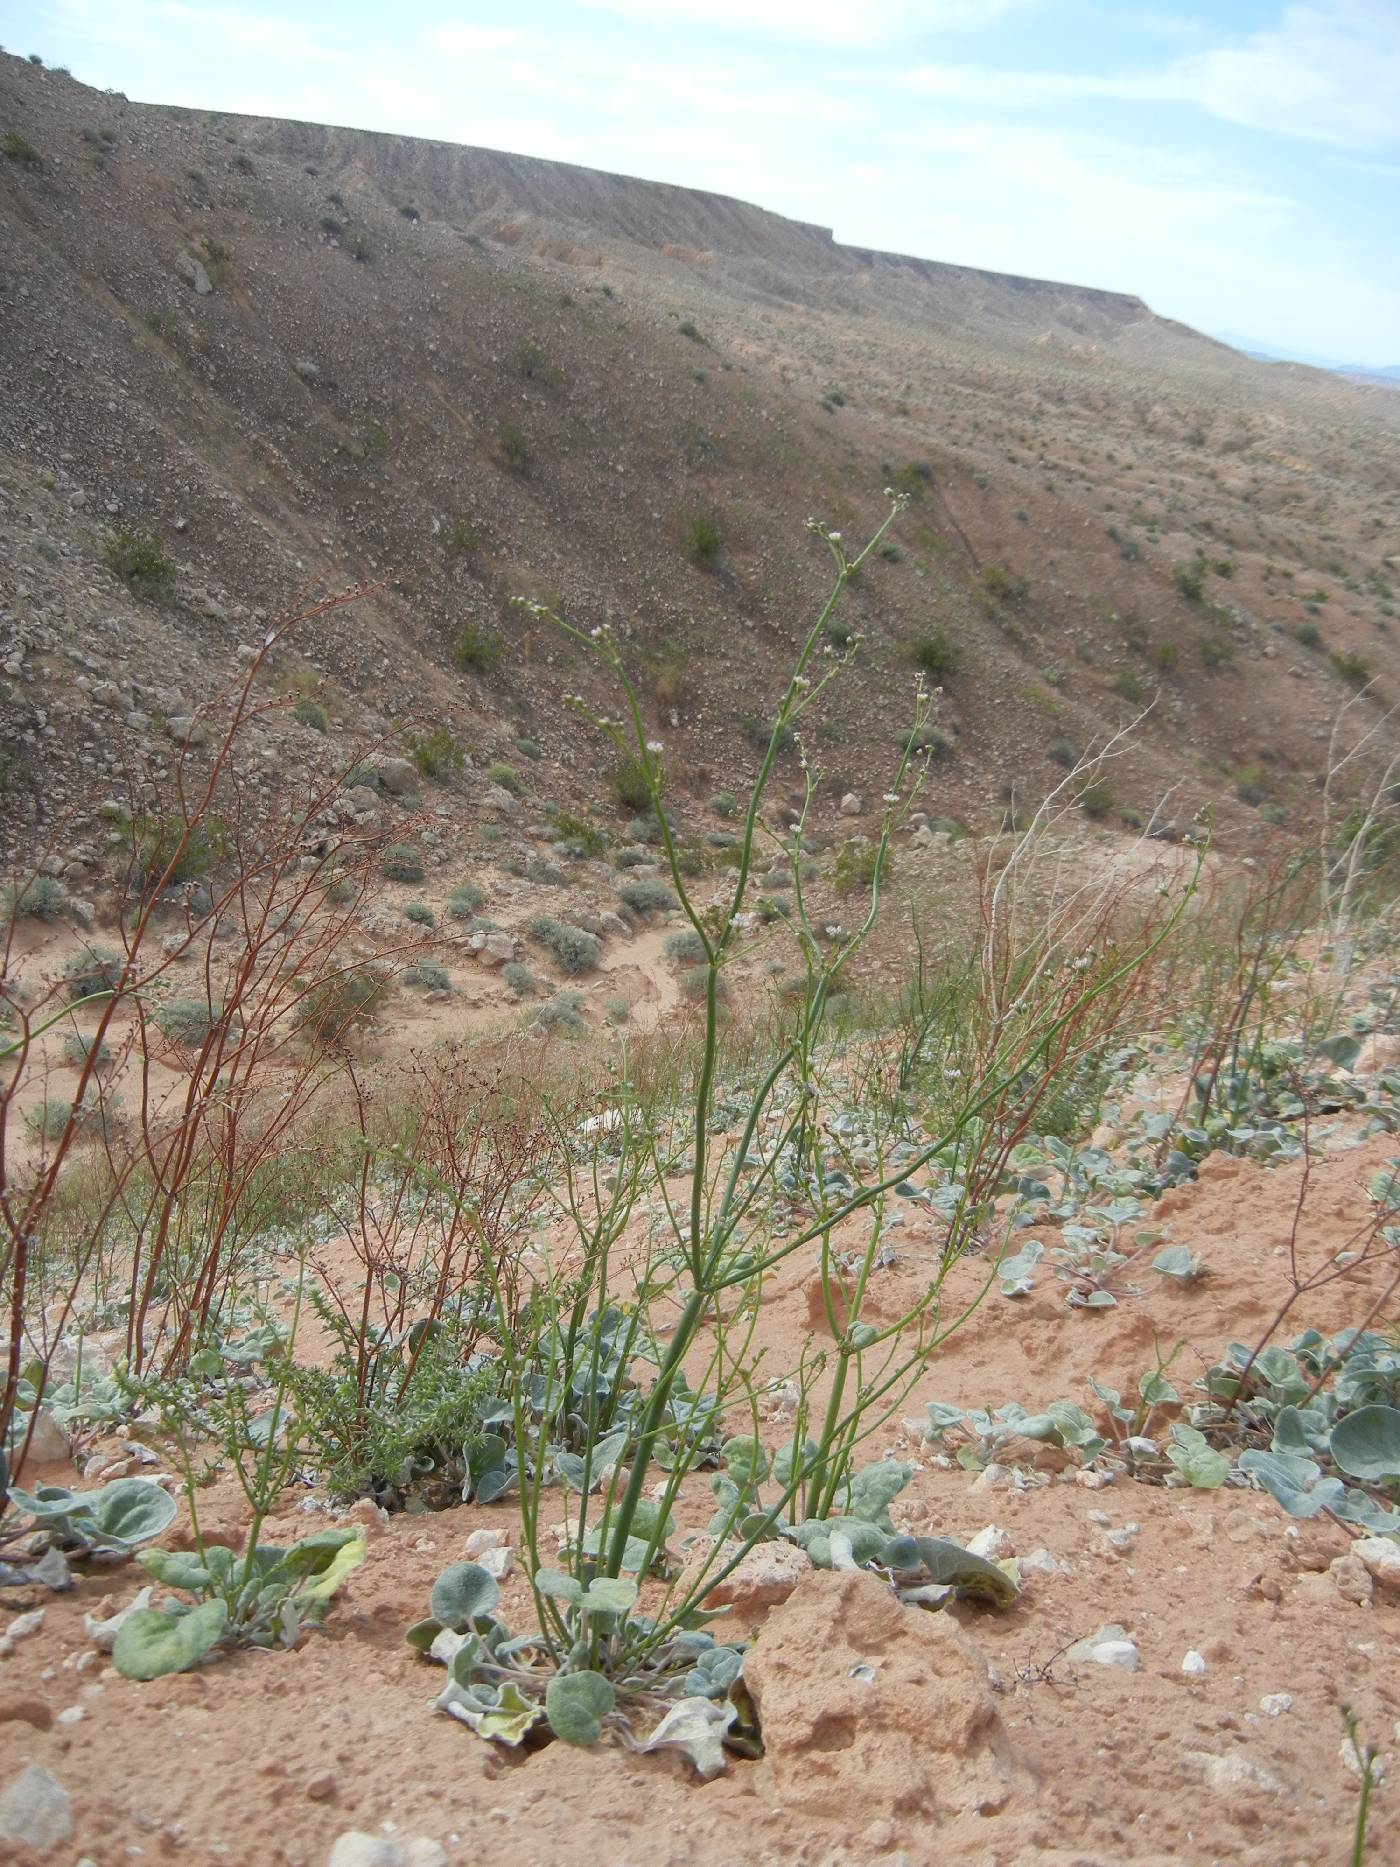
column 979, row 1739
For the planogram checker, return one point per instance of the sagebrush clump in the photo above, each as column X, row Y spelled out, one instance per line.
column 571, row 947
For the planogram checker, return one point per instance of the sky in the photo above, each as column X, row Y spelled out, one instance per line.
column 1236, row 163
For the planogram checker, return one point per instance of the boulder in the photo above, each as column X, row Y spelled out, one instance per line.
column 868, row 1704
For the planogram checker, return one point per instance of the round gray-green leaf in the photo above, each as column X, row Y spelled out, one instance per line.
column 150, row 1645
column 461, row 1593
column 1367, row 1443
column 132, row 1510
column 576, row 1705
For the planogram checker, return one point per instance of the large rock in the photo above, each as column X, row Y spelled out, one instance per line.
column 399, row 776
column 766, row 1576
column 35, row 1809
column 868, row 1704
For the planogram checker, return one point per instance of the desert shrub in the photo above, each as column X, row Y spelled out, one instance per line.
column 628, row 782
column 642, row 830
column 685, row 944
column 647, row 896
column 1164, row 656
column 1352, row 668
column 724, row 804
column 687, row 328
column 563, row 1014
column 461, row 537
column 420, row 914
column 1005, row 587
column 1064, row 752
column 401, row 862
column 337, row 1004
column 79, row 1047
column 1096, row 799
column 507, row 777
column 692, row 984
column 47, row 1120
column 428, row 974
column 1129, row 685
column 159, row 843
column 1190, row 579
column 703, row 540
column 19, row 149
column 138, row 559
column 93, row 971
column 43, row 898
column 436, row 754
column 617, row 1011
column 1217, row 652
column 519, row 978
column 1308, row 634
column 856, row 866
column 331, row 227
column 632, row 858
column 187, row 1021
column 478, row 647
column 464, row 900
column 515, row 451
column 935, row 654
column 535, row 364
column 758, row 729
column 311, row 713
column 572, row 948
column 529, row 748
column 578, row 836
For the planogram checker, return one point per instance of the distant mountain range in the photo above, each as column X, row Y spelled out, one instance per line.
column 1372, row 372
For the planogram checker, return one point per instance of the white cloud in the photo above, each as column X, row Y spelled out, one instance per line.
column 1329, row 72
column 813, row 23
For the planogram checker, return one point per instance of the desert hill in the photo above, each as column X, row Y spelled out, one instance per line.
column 302, row 357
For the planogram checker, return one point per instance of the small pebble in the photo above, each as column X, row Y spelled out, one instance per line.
column 1274, row 1703
column 1193, row 1664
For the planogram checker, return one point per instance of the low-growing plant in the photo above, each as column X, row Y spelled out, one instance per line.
column 187, row 1021
column 570, row 947
column 139, row 559
column 563, row 1014
column 311, row 713
column 420, row 914
column 647, row 897
column 478, row 647
column 41, row 898
column 465, row 900
column 686, row 945
column 429, row 975
column 93, row 972
column 703, row 540
column 507, row 777
column 437, row 754
column 401, row 862
column 519, row 978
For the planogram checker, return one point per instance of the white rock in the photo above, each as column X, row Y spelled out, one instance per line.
column 1110, row 1646
column 1233, row 1772
column 357, row 1849
column 851, row 805
column 48, row 1443
column 23, row 1625
column 1039, row 1562
column 1122, row 1540
column 103, row 1634
column 35, row 1809
column 71, row 1714
column 992, row 1478
column 993, row 1542
column 1193, row 1664
column 1381, row 1556
column 1274, row 1704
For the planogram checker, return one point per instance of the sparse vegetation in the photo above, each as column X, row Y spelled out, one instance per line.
column 139, row 559
column 401, row 862
column 570, row 947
